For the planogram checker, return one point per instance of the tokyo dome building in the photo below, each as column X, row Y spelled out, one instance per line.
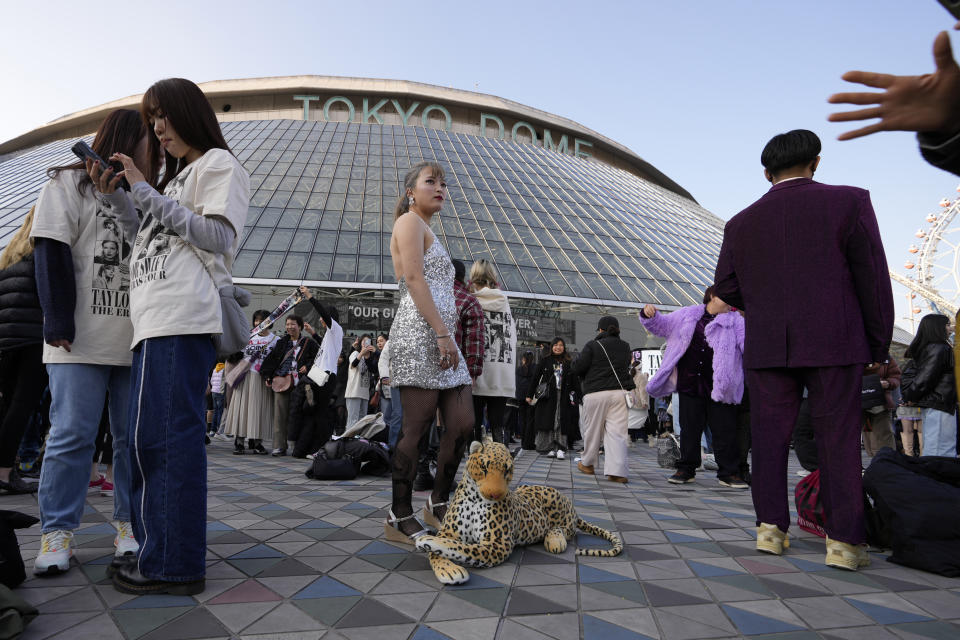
column 577, row 224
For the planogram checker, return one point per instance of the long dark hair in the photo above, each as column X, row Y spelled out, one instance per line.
column 932, row 330
column 549, row 350
column 189, row 112
column 410, row 182
column 120, row 132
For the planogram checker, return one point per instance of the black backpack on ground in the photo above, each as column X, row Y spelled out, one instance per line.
column 345, row 458
column 916, row 501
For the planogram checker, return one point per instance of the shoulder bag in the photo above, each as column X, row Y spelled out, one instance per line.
column 235, row 331
column 236, row 375
column 627, row 396
column 279, row 384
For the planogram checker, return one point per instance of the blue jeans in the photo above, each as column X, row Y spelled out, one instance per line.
column 217, row 412
column 78, row 392
column 939, row 433
column 167, row 424
column 392, row 415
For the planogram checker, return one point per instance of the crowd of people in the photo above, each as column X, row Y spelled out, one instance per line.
column 117, row 291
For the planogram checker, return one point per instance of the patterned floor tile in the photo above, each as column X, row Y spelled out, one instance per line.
column 291, row 558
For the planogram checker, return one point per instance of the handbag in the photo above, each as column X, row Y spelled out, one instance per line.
column 872, row 393
column 279, row 384
column 627, row 396
column 235, row 330
column 541, row 392
column 237, row 374
column 668, row 451
column 318, row 376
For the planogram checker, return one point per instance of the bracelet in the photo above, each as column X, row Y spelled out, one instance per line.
column 441, row 337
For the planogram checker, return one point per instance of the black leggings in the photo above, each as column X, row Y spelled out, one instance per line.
column 419, row 409
column 495, row 407
column 23, row 378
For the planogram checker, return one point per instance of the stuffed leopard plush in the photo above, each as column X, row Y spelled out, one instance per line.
column 486, row 520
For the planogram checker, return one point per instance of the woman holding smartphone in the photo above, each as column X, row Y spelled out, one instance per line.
column 199, row 210
column 87, row 333
column 359, row 375
column 425, row 361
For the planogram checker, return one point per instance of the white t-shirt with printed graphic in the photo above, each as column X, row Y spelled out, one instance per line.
column 101, row 266
column 171, row 291
column 259, row 348
column 358, row 378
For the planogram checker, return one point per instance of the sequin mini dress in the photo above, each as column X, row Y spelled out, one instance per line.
column 414, row 356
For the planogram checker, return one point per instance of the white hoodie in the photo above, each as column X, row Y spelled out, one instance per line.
column 500, row 346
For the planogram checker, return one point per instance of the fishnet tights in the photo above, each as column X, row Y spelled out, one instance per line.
column 419, row 409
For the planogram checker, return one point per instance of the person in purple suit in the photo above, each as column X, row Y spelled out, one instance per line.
column 806, row 264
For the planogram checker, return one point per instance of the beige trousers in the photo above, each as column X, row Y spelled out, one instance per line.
column 604, row 419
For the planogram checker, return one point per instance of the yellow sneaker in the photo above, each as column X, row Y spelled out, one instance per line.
column 851, row 557
column 771, row 540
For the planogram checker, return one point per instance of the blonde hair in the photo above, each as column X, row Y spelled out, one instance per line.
column 483, row 275
column 21, row 245
column 410, row 182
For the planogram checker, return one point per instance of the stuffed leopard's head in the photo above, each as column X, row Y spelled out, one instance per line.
column 490, row 467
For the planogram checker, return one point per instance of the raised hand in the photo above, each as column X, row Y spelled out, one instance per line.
column 928, row 103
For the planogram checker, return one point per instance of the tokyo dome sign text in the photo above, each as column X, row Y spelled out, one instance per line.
column 488, row 122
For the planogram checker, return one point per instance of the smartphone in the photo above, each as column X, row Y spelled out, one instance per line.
column 366, row 342
column 953, row 6
column 83, row 151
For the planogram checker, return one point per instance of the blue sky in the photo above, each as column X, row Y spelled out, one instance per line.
column 694, row 87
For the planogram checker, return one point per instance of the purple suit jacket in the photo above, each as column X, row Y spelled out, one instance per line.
column 806, row 264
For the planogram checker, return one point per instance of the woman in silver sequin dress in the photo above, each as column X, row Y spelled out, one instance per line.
column 425, row 362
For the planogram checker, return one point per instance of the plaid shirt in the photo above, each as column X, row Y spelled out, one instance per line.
column 469, row 336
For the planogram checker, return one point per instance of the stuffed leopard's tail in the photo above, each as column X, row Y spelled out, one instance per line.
column 594, row 530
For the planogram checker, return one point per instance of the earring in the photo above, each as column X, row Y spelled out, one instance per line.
column 410, row 200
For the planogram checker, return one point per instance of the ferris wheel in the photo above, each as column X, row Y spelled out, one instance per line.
column 934, row 263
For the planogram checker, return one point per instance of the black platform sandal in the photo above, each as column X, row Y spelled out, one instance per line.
column 238, row 449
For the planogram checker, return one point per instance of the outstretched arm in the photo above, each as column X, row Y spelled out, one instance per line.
column 929, row 103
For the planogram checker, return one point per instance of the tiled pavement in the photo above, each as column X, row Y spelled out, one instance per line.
column 294, row 558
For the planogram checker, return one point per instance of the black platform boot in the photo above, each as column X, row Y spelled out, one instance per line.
column 238, row 449
column 424, row 480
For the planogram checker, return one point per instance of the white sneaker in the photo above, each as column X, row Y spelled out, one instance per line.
column 552, row 454
column 55, row 552
column 125, row 543
column 222, row 436
column 560, row 455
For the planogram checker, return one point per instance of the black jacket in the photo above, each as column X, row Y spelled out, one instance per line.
column 594, row 369
column 275, row 358
column 928, row 380
column 545, row 410
column 21, row 319
column 524, row 375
